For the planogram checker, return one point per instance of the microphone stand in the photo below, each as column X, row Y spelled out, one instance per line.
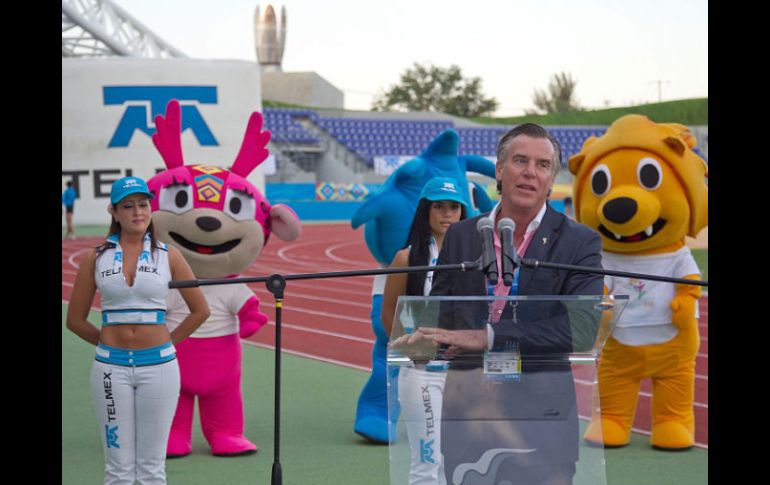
column 276, row 284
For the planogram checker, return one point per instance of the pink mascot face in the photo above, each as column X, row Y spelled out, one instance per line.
column 215, row 217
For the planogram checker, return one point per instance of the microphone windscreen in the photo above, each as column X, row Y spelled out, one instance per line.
column 506, row 223
column 484, row 223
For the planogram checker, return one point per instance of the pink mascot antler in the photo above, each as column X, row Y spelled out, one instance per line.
column 253, row 151
column 168, row 138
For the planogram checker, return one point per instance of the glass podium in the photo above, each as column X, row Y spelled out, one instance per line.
column 497, row 390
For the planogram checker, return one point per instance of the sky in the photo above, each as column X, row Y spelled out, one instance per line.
column 620, row 52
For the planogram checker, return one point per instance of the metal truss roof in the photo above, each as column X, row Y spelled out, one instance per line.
column 100, row 28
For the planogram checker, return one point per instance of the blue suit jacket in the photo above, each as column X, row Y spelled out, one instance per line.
column 541, row 406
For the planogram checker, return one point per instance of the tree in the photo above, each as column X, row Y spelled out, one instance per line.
column 560, row 96
column 431, row 88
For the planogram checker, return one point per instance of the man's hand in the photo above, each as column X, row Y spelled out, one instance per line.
column 423, row 343
column 463, row 339
column 457, row 340
column 415, row 346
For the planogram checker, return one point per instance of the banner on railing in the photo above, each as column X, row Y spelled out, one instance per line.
column 341, row 192
column 386, row 165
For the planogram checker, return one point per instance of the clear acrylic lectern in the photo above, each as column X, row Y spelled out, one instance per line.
column 511, row 396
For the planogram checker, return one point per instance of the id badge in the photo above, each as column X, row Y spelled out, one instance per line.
column 502, row 366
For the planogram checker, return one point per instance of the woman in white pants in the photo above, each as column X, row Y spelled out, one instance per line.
column 135, row 375
column 420, row 388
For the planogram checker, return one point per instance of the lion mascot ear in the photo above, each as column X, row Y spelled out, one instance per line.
column 693, row 170
column 574, row 164
column 577, row 159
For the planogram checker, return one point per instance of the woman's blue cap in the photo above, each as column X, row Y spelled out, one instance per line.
column 443, row 188
column 126, row 186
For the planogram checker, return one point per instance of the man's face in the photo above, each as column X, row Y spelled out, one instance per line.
column 526, row 172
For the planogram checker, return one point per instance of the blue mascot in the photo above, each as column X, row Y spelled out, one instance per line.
column 388, row 217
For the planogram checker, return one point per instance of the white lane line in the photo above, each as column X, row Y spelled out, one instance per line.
column 258, row 268
column 282, row 253
column 71, row 259
column 290, row 296
column 329, row 252
column 326, row 333
column 325, row 288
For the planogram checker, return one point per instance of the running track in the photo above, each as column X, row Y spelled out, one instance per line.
column 328, row 320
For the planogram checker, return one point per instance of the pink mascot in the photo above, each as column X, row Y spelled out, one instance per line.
column 220, row 222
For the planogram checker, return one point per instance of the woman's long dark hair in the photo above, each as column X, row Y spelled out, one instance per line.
column 419, row 239
column 115, row 228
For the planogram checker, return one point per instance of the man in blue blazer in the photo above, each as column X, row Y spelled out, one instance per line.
column 533, row 419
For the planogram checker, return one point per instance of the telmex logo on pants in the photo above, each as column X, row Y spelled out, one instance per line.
column 426, row 451
column 112, row 436
column 111, row 432
column 136, row 116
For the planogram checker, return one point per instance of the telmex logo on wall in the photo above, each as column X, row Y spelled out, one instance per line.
column 143, row 103
column 108, row 118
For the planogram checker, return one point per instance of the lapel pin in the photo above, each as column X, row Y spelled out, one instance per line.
column 545, row 240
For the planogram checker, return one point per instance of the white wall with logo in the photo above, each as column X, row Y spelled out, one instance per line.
column 89, row 124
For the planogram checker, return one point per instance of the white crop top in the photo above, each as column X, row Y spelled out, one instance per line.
column 145, row 301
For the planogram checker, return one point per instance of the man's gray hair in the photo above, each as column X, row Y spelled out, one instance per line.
column 534, row 131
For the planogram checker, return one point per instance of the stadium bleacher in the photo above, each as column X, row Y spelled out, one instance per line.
column 281, row 122
column 369, row 138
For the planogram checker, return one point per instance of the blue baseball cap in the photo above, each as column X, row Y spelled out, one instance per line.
column 443, row 188
column 126, row 186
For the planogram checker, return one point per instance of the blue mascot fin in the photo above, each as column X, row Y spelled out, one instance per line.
column 478, row 164
column 480, row 198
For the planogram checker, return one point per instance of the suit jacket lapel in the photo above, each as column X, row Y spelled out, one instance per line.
column 540, row 246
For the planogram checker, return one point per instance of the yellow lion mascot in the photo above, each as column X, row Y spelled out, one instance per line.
column 643, row 188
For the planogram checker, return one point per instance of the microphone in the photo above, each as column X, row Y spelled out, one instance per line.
column 508, row 250
column 486, row 228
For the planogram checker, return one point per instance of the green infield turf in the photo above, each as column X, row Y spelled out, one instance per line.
column 318, row 445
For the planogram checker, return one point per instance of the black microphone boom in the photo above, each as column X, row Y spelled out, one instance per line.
column 486, row 229
column 534, row 263
column 508, row 254
column 464, row 266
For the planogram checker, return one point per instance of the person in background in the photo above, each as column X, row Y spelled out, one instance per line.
column 135, row 376
column 68, row 200
column 420, row 388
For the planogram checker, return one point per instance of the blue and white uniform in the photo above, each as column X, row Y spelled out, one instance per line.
column 134, row 391
column 420, row 393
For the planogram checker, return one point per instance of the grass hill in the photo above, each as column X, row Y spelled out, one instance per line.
column 686, row 111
